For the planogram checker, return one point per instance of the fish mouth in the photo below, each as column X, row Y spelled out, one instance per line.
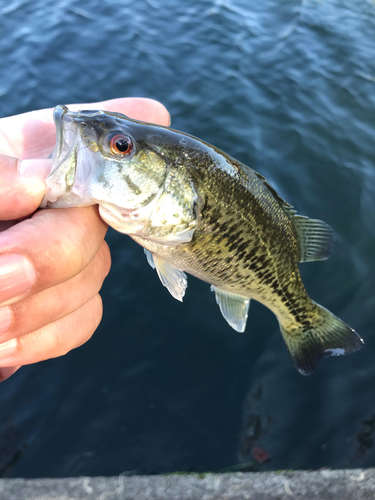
column 58, row 115
column 74, row 161
column 65, row 154
column 63, row 173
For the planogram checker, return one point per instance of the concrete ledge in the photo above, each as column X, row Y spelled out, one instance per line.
column 355, row 484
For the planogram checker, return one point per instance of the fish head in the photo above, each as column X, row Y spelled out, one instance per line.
column 103, row 158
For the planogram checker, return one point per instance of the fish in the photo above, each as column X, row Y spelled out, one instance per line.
column 195, row 209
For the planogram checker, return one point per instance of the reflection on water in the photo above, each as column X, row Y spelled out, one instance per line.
column 287, row 88
column 365, row 438
column 256, row 427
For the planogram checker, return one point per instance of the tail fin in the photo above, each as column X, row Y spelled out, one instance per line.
column 326, row 335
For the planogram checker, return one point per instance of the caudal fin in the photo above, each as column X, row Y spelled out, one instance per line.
column 326, row 335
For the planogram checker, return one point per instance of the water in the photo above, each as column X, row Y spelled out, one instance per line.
column 289, row 89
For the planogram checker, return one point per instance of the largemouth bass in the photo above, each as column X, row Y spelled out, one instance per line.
column 195, row 209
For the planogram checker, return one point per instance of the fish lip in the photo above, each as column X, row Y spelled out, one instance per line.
column 58, row 181
column 65, row 145
column 58, row 116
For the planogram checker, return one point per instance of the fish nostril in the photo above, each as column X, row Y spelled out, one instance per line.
column 88, row 112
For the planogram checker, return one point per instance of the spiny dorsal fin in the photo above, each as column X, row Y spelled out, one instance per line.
column 171, row 277
column 315, row 238
column 233, row 307
column 274, row 193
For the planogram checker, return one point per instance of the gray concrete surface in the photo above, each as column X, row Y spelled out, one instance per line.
column 355, row 484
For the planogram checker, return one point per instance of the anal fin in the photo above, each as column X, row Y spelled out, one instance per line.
column 233, row 307
column 171, row 277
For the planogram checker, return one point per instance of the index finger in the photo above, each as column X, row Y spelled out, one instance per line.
column 48, row 249
column 33, row 134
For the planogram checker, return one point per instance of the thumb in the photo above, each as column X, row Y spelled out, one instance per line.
column 22, row 186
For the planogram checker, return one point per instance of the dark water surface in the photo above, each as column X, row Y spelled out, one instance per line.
column 289, row 89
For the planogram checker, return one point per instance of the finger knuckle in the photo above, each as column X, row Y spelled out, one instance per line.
column 97, row 309
column 105, row 256
column 100, row 266
column 93, row 312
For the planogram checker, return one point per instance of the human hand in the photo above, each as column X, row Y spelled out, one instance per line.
column 52, row 265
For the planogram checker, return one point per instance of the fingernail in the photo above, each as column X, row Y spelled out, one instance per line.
column 34, row 168
column 5, row 319
column 17, row 276
column 7, row 372
column 7, row 348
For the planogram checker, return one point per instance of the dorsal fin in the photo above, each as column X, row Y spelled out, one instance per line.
column 233, row 307
column 171, row 277
column 315, row 238
column 274, row 193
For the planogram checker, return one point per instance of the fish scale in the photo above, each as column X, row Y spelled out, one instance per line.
column 217, row 259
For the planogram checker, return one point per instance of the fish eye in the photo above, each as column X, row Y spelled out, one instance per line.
column 121, row 144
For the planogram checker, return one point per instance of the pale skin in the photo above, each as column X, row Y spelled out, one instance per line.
column 52, row 263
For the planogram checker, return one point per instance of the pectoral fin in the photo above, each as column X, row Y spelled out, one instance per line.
column 233, row 307
column 171, row 277
column 150, row 258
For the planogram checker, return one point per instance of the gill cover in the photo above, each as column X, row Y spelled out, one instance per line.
column 108, row 159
